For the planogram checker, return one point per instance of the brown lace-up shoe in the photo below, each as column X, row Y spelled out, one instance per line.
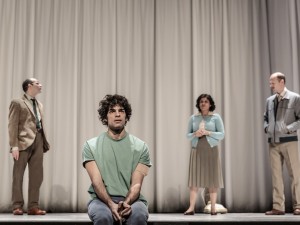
column 275, row 212
column 36, row 211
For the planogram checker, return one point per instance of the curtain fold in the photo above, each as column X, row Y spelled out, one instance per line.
column 160, row 54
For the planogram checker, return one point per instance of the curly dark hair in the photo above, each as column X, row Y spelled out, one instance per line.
column 110, row 101
column 209, row 98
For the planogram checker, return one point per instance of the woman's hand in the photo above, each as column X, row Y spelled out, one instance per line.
column 201, row 132
column 198, row 133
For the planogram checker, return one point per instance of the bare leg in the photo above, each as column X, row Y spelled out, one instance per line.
column 193, row 197
column 213, row 199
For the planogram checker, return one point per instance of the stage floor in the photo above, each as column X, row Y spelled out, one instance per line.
column 159, row 218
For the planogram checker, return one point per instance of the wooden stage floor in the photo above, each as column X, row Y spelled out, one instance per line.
column 157, row 219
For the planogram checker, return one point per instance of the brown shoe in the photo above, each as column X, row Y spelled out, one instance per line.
column 274, row 212
column 297, row 212
column 18, row 211
column 36, row 211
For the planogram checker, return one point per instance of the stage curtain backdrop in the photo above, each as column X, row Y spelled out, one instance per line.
column 160, row 54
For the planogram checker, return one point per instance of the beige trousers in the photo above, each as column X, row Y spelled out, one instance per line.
column 33, row 156
column 279, row 153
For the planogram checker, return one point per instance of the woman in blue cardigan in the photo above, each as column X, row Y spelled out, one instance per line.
column 205, row 130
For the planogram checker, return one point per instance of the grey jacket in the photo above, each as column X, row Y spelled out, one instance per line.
column 284, row 127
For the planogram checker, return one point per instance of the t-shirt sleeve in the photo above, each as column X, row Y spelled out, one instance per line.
column 145, row 157
column 87, row 154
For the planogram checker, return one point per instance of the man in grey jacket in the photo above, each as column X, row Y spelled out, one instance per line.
column 281, row 122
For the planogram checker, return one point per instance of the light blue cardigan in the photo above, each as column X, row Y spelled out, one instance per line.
column 213, row 123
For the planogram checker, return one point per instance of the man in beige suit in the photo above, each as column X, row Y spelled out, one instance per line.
column 28, row 143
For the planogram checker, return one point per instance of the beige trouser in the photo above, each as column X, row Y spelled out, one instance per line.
column 33, row 156
column 288, row 152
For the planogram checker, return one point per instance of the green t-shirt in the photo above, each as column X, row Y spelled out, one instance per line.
column 116, row 160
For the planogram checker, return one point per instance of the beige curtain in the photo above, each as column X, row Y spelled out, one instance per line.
column 160, row 54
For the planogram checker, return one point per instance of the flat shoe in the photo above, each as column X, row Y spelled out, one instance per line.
column 189, row 213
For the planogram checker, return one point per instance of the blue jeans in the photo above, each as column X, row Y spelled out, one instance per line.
column 100, row 213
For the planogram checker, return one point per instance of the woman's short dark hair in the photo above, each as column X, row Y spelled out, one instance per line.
column 110, row 101
column 209, row 98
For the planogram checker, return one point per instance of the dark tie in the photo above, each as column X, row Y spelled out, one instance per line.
column 37, row 121
column 275, row 106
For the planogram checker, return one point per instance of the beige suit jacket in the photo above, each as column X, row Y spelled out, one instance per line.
column 22, row 124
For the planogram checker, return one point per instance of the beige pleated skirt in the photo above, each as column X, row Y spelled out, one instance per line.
column 205, row 166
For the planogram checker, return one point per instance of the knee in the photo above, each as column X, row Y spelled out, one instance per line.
column 98, row 214
column 99, row 218
column 138, row 217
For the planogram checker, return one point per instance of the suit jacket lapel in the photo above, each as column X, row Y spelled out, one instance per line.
column 30, row 107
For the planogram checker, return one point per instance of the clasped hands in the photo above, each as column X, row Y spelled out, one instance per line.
column 121, row 210
column 201, row 132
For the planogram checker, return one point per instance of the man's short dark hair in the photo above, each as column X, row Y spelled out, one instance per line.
column 281, row 76
column 209, row 98
column 26, row 83
column 110, row 101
